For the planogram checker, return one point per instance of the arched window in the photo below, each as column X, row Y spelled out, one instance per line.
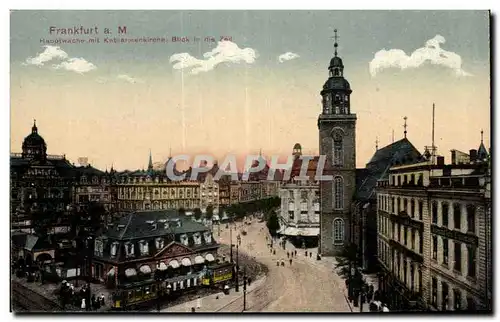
column 338, row 231
column 338, row 155
column 339, row 193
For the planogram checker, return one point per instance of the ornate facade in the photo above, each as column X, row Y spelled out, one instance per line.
column 300, row 206
column 141, row 245
column 39, row 182
column 434, row 240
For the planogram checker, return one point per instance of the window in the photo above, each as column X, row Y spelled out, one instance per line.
column 421, row 241
column 405, row 270
column 98, row 247
column 339, row 193
column 184, row 239
column 405, row 235
column 457, row 216
column 444, row 297
column 471, row 219
column 412, row 278
column 457, row 297
column 337, row 149
column 458, row 257
column 412, row 239
column 208, row 237
column 393, row 230
column 445, row 251
column 434, row 213
column 399, row 180
column 420, row 283
column 445, row 209
column 197, row 238
column 434, row 292
column 471, row 304
column 144, row 245
column 160, row 243
column 471, row 252
column 405, row 204
column 434, row 247
column 338, row 231
column 412, row 208
column 393, row 206
column 129, row 249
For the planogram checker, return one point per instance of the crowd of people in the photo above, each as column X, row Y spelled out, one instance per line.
column 70, row 295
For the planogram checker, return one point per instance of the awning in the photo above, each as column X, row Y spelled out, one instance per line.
column 130, row 272
column 111, row 272
column 292, row 231
column 308, row 232
column 199, row 260
column 145, row 269
column 186, row 262
column 162, row 266
column 174, row 264
column 210, row 257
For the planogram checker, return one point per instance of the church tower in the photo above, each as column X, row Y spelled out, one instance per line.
column 337, row 141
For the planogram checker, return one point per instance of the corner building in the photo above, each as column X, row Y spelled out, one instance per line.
column 337, row 141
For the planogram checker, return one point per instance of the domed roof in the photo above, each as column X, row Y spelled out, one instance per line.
column 34, row 139
column 297, row 146
column 336, row 62
column 337, row 83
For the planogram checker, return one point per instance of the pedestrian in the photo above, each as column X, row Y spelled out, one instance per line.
column 295, row 253
column 290, row 262
column 306, row 253
column 282, row 262
column 83, row 305
column 274, row 252
column 277, row 262
column 287, row 254
column 310, row 254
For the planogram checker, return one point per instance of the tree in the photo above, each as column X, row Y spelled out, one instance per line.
column 182, row 211
column 273, row 223
column 197, row 214
column 209, row 213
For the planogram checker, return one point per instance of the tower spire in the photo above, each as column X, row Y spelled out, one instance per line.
column 336, row 41
column 34, row 129
column 376, row 144
column 482, row 136
column 405, row 125
column 150, row 164
column 392, row 135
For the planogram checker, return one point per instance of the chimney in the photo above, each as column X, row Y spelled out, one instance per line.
column 473, row 155
column 453, row 157
column 440, row 160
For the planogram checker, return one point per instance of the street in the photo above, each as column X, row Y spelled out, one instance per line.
column 307, row 285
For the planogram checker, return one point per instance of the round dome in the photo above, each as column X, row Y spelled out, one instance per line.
column 34, row 139
column 337, row 83
column 336, row 62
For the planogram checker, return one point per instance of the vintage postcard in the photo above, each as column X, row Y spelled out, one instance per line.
column 250, row 161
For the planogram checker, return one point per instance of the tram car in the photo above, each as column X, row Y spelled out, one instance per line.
column 132, row 295
column 219, row 274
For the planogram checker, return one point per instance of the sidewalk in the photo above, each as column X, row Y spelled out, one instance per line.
column 215, row 302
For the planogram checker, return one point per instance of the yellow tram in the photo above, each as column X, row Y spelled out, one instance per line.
column 218, row 274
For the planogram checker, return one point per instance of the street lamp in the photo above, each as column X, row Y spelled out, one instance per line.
column 237, row 288
column 244, row 288
column 90, row 253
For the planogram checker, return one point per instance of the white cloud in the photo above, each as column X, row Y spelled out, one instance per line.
column 77, row 65
column 431, row 52
column 50, row 52
column 287, row 56
column 129, row 79
column 225, row 52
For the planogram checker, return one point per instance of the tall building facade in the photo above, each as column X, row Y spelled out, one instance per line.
column 434, row 241
column 337, row 141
